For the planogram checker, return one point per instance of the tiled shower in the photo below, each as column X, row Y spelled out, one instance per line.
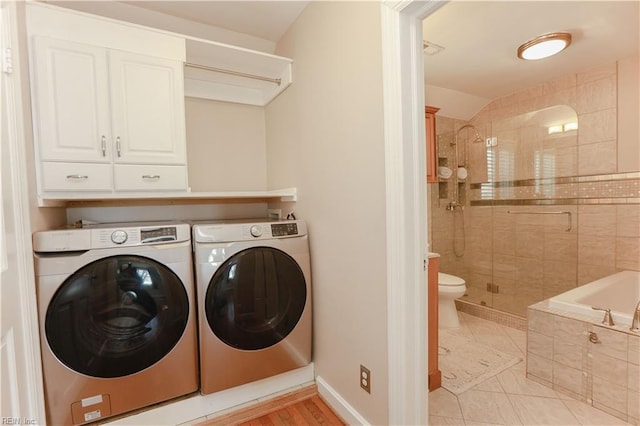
column 549, row 207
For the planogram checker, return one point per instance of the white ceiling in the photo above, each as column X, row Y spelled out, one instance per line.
column 481, row 39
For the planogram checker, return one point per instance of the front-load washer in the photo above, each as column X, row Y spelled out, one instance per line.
column 117, row 318
column 253, row 283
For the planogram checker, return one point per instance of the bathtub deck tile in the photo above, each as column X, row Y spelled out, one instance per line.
column 634, row 349
column 570, row 331
column 633, row 383
column 633, row 405
column 540, row 345
column 540, row 367
column 569, row 378
column 610, row 395
column 568, row 354
column 614, row 343
column 540, row 322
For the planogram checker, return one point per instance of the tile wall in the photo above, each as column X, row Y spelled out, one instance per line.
column 511, row 256
column 604, row 374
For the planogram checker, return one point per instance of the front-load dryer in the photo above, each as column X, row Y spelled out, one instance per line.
column 253, row 283
column 117, row 318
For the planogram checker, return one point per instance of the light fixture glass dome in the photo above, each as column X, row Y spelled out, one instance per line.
column 544, row 46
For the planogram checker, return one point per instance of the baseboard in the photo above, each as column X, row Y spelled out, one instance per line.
column 338, row 404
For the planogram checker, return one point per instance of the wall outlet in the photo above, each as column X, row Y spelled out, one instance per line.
column 365, row 378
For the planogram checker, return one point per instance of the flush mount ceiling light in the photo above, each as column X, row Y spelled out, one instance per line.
column 544, row 46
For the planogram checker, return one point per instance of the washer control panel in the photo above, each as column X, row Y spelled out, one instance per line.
column 108, row 235
column 284, row 229
column 156, row 235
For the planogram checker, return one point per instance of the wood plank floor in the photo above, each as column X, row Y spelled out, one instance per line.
column 302, row 407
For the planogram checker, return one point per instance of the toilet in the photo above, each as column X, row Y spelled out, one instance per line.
column 450, row 288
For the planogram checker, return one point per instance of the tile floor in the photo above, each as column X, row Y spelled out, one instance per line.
column 508, row 398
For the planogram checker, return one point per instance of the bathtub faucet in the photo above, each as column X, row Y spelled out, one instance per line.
column 635, row 323
column 608, row 319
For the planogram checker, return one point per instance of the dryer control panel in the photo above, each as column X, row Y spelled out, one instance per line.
column 234, row 231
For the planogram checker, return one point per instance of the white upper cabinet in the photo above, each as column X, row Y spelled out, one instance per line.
column 148, row 109
column 71, row 86
column 108, row 105
column 94, row 104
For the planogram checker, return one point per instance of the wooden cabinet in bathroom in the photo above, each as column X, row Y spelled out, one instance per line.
column 434, row 373
column 432, row 152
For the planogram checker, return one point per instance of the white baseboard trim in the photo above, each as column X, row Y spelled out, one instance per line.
column 196, row 408
column 339, row 404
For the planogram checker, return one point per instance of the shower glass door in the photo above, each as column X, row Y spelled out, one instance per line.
column 515, row 242
column 532, row 211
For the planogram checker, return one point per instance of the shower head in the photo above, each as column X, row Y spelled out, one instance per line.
column 477, row 137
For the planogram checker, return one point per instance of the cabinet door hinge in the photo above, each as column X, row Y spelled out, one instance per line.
column 7, row 61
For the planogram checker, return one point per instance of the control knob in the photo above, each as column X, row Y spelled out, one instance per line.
column 256, row 231
column 119, row 236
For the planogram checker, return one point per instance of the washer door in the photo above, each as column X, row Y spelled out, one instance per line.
column 255, row 298
column 117, row 316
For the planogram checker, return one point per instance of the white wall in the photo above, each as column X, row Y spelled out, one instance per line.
column 325, row 136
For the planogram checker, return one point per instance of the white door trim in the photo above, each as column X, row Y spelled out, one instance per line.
column 406, row 207
column 31, row 392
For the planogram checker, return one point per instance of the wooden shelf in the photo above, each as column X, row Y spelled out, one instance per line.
column 94, row 199
column 235, row 87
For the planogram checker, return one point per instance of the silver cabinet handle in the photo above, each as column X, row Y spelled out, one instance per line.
column 154, row 177
column 77, row 177
column 103, row 145
column 118, row 146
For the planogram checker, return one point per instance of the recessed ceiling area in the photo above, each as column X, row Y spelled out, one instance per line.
column 481, row 41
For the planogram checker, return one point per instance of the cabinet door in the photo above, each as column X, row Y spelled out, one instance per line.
column 70, row 101
column 432, row 152
column 148, row 109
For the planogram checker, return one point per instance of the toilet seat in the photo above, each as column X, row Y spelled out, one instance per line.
column 449, row 280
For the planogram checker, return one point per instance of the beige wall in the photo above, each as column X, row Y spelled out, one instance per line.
column 325, row 136
column 629, row 114
column 226, row 146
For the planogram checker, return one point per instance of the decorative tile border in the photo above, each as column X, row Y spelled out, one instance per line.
column 491, row 314
column 557, row 180
column 555, row 202
column 619, row 188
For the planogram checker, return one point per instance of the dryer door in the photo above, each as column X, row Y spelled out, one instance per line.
column 117, row 316
column 255, row 298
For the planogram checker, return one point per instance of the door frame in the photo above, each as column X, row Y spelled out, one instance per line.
column 406, row 208
column 30, row 392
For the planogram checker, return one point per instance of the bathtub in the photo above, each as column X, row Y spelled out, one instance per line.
column 619, row 292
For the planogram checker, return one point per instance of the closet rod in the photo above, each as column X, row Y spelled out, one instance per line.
column 277, row 81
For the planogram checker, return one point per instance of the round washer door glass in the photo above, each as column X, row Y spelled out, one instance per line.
column 255, row 298
column 117, row 316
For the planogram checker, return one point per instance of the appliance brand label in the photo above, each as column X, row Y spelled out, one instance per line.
column 91, row 400
column 92, row 415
